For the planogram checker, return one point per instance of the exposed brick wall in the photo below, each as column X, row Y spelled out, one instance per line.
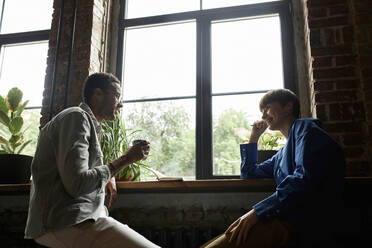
column 87, row 52
column 340, row 40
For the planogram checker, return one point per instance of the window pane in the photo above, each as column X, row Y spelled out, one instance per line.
column 208, row 4
column 24, row 66
column 26, row 15
column 142, row 8
column 170, row 128
column 232, row 117
column 160, row 61
column 31, row 118
column 246, row 55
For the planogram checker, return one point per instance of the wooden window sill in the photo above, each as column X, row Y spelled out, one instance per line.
column 212, row 185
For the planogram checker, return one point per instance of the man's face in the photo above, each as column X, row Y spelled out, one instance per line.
column 112, row 102
column 275, row 115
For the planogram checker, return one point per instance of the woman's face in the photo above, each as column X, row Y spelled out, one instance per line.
column 276, row 115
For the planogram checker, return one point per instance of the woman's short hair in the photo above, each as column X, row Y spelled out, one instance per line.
column 101, row 80
column 283, row 97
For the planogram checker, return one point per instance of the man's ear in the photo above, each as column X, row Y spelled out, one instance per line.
column 97, row 95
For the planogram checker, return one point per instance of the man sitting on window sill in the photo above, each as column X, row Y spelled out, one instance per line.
column 309, row 173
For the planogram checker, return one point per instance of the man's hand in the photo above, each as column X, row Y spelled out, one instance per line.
column 240, row 228
column 111, row 188
column 138, row 151
column 258, row 129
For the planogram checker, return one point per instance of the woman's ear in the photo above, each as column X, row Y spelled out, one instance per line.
column 289, row 108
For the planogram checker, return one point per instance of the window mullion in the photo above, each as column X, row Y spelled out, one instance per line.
column 120, row 45
column 204, row 159
column 2, row 13
column 23, row 37
column 289, row 72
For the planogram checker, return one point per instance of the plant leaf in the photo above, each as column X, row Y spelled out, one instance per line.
column 4, row 141
column 123, row 172
column 4, row 118
column 16, row 124
column 14, row 145
column 7, row 149
column 21, row 108
column 3, row 106
column 13, row 98
column 23, row 146
column 14, row 139
column 266, row 138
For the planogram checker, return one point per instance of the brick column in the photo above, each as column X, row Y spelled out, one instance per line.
column 363, row 43
column 340, row 40
column 87, row 53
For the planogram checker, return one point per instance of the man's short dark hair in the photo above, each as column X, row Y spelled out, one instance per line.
column 101, row 80
column 283, row 97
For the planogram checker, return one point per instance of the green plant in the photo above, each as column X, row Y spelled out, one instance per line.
column 114, row 141
column 267, row 141
column 270, row 141
column 12, row 138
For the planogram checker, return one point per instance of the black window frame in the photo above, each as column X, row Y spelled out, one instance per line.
column 20, row 38
column 203, row 18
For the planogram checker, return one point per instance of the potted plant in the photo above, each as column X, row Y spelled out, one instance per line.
column 15, row 166
column 268, row 144
column 114, row 141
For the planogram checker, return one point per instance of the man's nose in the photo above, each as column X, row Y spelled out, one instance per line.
column 120, row 105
